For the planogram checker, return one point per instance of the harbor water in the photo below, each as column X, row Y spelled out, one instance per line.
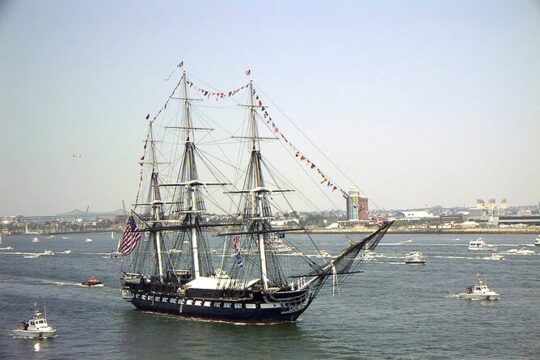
column 388, row 311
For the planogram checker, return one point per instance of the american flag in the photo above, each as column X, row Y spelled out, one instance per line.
column 131, row 237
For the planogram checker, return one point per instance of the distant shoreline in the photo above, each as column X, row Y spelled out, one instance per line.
column 532, row 231
column 526, row 231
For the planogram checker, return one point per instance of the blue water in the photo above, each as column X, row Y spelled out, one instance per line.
column 390, row 311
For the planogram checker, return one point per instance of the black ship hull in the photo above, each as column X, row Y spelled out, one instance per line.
column 268, row 311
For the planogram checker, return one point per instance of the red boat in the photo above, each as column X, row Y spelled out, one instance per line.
column 92, row 281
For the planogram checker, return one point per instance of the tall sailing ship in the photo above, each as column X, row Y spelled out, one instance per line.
column 246, row 277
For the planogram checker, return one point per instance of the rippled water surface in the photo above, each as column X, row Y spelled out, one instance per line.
column 389, row 311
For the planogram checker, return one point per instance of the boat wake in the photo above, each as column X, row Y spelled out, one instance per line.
column 456, row 257
column 14, row 336
column 67, row 283
column 520, row 252
column 467, row 257
column 96, row 253
column 206, row 320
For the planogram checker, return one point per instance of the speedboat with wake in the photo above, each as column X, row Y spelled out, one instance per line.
column 35, row 328
column 92, row 281
column 479, row 291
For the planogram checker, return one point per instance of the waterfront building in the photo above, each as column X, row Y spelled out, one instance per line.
column 363, row 208
column 357, row 206
column 353, row 204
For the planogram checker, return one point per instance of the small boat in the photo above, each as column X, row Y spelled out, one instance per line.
column 116, row 253
column 47, row 252
column 6, row 248
column 279, row 246
column 65, row 252
column 92, row 281
column 324, row 253
column 32, row 256
column 35, row 240
column 478, row 244
column 479, row 291
column 36, row 328
column 495, row 256
column 370, row 255
column 522, row 251
column 537, row 241
column 88, row 240
column 415, row 258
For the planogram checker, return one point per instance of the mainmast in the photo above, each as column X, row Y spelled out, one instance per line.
column 191, row 172
column 257, row 193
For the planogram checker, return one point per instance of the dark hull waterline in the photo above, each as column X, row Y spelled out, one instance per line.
column 211, row 311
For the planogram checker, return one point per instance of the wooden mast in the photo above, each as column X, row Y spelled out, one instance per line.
column 258, row 183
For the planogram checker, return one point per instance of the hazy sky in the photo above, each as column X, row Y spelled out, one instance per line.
column 419, row 102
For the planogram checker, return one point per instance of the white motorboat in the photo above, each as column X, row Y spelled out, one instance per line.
column 479, row 291
column 36, row 328
column 478, row 244
column 371, row 255
column 65, row 252
column 495, row 256
column 6, row 248
column 88, row 240
column 35, row 240
column 415, row 258
column 47, row 253
column 32, row 255
column 521, row 251
column 537, row 241
column 324, row 253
